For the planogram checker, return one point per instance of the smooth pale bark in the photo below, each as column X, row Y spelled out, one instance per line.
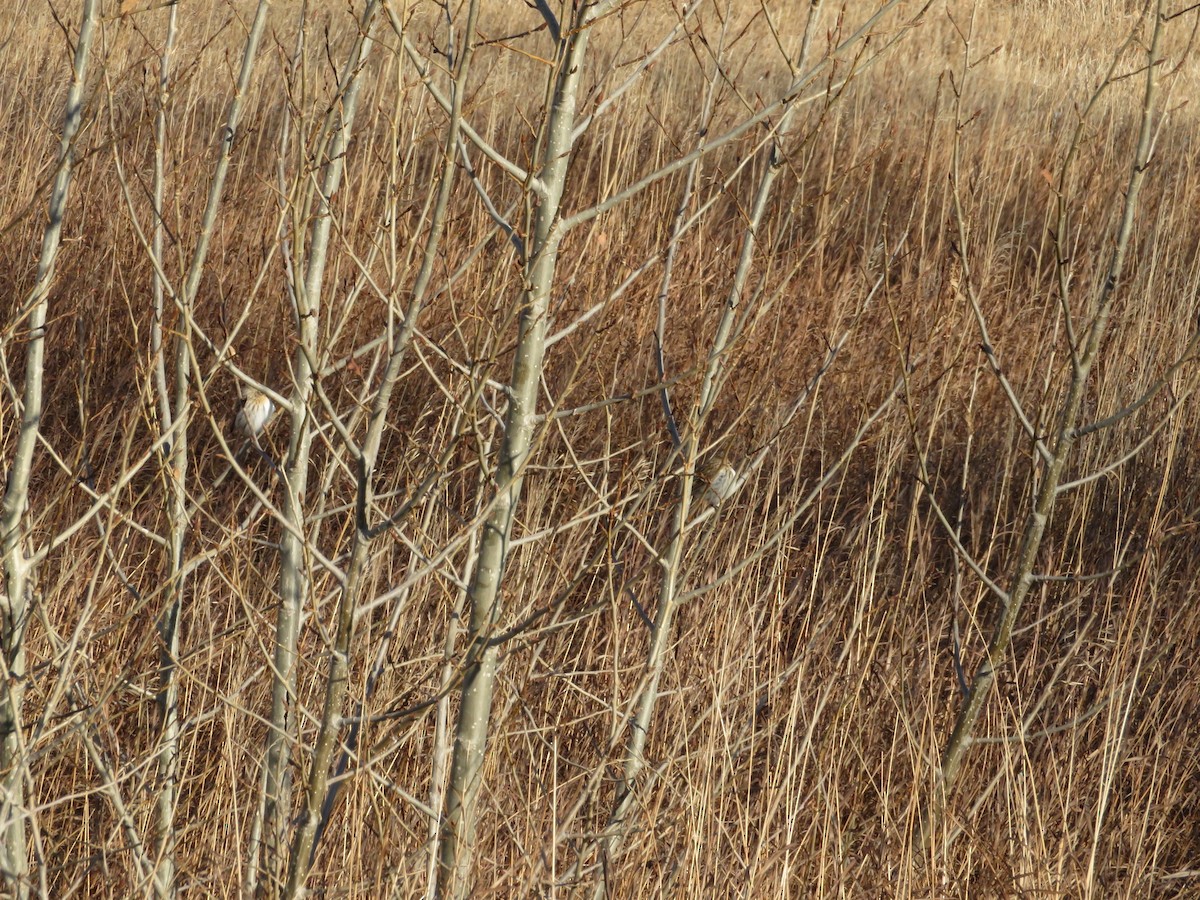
column 466, row 772
column 293, row 576
column 176, row 415
column 15, row 599
column 177, row 527
column 1065, row 436
column 337, row 680
column 175, row 407
column 672, row 558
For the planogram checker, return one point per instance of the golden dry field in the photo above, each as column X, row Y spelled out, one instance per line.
column 733, row 449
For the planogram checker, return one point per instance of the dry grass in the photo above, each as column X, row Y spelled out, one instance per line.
column 807, row 699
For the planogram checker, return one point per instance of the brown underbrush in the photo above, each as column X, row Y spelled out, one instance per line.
column 813, row 673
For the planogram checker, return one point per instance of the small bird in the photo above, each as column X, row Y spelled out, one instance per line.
column 252, row 418
column 723, row 483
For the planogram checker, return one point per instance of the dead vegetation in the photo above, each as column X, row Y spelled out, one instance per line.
column 812, row 675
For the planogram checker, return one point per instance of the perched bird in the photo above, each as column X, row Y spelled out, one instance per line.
column 252, row 417
column 723, row 482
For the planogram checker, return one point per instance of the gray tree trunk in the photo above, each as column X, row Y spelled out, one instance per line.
column 15, row 599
